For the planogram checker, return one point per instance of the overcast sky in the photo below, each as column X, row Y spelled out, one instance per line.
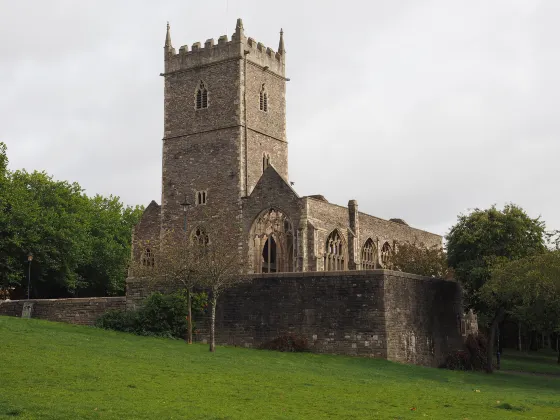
column 417, row 109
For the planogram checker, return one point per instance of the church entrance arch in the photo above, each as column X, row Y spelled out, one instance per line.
column 272, row 240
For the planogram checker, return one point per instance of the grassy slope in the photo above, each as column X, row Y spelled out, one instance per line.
column 543, row 361
column 58, row 371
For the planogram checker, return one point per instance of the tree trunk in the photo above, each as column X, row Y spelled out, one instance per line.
column 213, row 323
column 542, row 340
column 189, row 319
column 519, row 336
column 491, row 340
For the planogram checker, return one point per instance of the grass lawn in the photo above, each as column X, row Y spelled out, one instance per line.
column 542, row 361
column 57, row 371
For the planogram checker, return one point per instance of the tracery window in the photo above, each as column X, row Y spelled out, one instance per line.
column 200, row 237
column 263, row 99
column 201, row 96
column 369, row 255
column 273, row 243
column 148, row 258
column 386, row 253
column 335, row 253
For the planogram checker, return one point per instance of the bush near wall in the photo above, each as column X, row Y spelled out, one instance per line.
column 472, row 357
column 160, row 315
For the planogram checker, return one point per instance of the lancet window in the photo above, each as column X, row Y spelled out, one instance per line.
column 263, row 99
column 272, row 243
column 369, row 255
column 201, row 96
column 335, row 254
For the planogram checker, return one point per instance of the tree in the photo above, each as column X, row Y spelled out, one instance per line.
column 419, row 259
column 529, row 289
column 80, row 245
column 482, row 239
column 222, row 263
column 171, row 261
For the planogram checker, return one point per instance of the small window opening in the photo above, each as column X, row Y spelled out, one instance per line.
column 148, row 258
column 266, row 161
column 263, row 99
column 201, row 96
column 201, row 197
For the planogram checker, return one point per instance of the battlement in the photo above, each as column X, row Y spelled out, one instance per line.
column 238, row 47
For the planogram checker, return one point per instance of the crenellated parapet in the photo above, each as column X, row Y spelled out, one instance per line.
column 238, row 47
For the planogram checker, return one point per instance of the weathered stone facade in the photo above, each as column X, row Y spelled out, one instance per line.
column 81, row 311
column 225, row 138
column 373, row 313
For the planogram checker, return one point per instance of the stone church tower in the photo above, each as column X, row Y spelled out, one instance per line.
column 224, row 123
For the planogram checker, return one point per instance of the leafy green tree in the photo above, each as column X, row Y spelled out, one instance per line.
column 80, row 245
column 529, row 289
column 482, row 239
column 109, row 230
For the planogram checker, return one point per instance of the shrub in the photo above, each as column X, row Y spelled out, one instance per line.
column 287, row 343
column 160, row 315
column 126, row 321
column 472, row 357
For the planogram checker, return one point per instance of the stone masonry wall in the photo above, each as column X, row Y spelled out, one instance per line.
column 82, row 311
column 422, row 318
column 378, row 313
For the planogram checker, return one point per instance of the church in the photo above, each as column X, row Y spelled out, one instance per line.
column 225, row 158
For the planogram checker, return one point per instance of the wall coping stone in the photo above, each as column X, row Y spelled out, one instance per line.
column 347, row 273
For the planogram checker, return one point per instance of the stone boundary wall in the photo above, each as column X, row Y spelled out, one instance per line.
column 374, row 313
column 82, row 311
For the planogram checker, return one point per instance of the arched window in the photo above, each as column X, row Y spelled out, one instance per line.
column 263, row 99
column 369, row 255
column 200, row 237
column 335, row 253
column 201, row 96
column 273, row 243
column 386, row 253
column 148, row 258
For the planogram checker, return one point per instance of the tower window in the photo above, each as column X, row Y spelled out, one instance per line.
column 201, row 96
column 266, row 161
column 263, row 99
column 148, row 258
column 200, row 197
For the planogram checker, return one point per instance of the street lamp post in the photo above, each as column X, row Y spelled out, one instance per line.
column 29, row 259
column 185, row 204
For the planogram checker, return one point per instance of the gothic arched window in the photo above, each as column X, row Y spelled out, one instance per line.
column 199, row 237
column 201, row 96
column 148, row 258
column 369, row 255
column 263, row 99
column 386, row 253
column 335, row 253
column 272, row 242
